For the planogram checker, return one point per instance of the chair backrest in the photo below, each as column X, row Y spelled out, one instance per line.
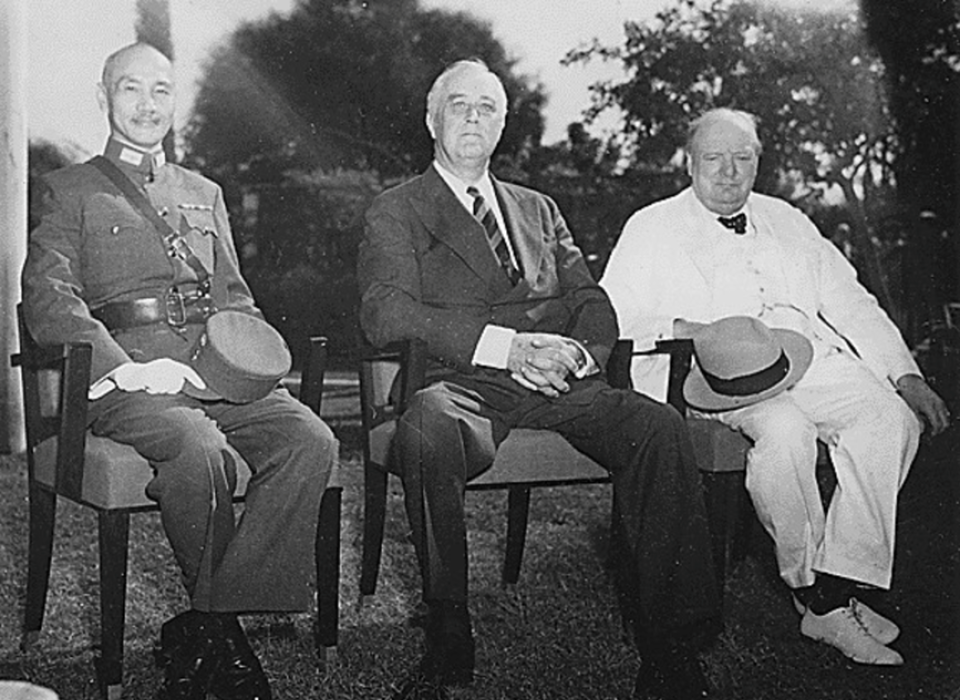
column 55, row 382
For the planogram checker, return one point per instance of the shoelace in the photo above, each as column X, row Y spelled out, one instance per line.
column 854, row 611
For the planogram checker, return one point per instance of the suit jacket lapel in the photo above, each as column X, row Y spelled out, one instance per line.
column 448, row 221
column 521, row 217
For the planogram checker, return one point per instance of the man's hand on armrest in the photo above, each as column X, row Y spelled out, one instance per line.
column 925, row 402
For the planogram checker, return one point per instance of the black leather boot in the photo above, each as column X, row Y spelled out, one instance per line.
column 189, row 656
column 239, row 675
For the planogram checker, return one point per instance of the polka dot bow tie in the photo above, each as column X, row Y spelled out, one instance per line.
column 738, row 223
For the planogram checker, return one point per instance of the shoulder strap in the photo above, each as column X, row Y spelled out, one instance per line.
column 176, row 245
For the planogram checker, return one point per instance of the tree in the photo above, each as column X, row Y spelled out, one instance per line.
column 305, row 118
column 342, row 84
column 811, row 79
column 153, row 27
column 919, row 41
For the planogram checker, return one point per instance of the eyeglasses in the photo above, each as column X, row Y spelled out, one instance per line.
column 462, row 108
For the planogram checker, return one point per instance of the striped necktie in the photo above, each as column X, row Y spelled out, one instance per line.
column 498, row 243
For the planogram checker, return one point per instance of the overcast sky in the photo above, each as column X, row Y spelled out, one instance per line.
column 68, row 40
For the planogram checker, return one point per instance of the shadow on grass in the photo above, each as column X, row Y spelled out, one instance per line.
column 557, row 635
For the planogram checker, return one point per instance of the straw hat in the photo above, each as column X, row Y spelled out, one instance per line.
column 740, row 361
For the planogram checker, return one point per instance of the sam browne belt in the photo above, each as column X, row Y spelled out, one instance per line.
column 173, row 308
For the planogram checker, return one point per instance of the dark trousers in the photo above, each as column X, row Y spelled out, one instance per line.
column 263, row 561
column 666, row 580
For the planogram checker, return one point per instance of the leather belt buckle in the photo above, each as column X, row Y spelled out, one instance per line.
column 176, row 309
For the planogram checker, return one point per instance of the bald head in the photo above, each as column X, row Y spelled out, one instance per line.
column 736, row 118
column 723, row 152
column 116, row 62
column 137, row 94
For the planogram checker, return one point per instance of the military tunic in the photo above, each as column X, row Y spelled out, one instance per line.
column 93, row 247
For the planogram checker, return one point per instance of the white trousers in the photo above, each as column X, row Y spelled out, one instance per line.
column 872, row 436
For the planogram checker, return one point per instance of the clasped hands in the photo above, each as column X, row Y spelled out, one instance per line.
column 543, row 361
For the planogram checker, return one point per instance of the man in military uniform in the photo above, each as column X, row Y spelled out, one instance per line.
column 98, row 270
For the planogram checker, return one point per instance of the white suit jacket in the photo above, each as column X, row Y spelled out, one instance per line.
column 663, row 268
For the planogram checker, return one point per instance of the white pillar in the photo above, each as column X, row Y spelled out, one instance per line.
column 13, row 210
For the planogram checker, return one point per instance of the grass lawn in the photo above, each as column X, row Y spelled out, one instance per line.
column 556, row 636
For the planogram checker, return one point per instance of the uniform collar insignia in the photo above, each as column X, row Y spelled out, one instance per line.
column 135, row 158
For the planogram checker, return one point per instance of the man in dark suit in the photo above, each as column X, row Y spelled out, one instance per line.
column 488, row 275
column 99, row 270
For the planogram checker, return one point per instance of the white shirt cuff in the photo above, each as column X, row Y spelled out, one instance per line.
column 589, row 365
column 493, row 348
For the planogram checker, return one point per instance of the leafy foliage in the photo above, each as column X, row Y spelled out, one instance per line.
column 343, row 84
column 305, row 118
column 919, row 41
column 811, row 79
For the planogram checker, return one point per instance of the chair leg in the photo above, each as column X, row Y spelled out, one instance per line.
column 374, row 515
column 720, row 496
column 328, row 577
column 518, row 509
column 114, row 537
column 43, row 510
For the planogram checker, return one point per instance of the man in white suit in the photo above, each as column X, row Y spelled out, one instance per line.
column 718, row 249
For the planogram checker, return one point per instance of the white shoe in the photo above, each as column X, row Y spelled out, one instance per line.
column 844, row 629
column 879, row 627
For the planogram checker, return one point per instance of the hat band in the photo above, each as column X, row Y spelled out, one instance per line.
column 747, row 384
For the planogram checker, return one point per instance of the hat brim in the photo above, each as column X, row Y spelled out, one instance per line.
column 699, row 395
column 208, row 394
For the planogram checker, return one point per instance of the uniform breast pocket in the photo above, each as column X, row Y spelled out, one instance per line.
column 110, row 235
column 199, row 231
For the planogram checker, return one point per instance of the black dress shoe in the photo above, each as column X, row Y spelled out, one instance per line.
column 675, row 675
column 188, row 655
column 239, row 675
column 201, row 652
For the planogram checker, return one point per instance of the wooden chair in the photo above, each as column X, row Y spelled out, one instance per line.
column 526, row 459
column 65, row 460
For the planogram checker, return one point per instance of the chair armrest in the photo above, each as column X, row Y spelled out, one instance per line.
column 64, row 412
column 311, row 380
column 680, row 351
column 681, row 355
column 72, row 437
column 412, row 357
column 618, row 364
